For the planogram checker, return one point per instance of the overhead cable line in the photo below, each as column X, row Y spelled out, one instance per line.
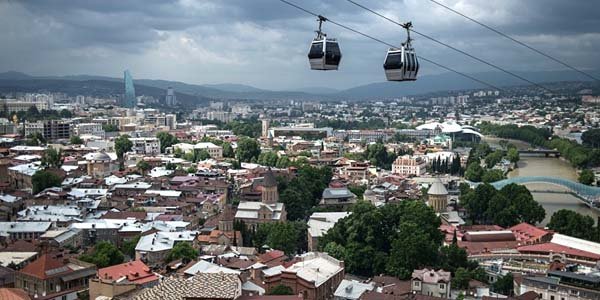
column 404, row 25
column 390, row 45
column 517, row 41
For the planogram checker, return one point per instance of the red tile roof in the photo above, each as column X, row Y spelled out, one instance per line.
column 13, row 294
column 526, row 232
column 546, row 248
column 47, row 262
column 271, row 255
column 135, row 272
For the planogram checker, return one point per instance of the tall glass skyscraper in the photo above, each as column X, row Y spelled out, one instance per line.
column 129, row 100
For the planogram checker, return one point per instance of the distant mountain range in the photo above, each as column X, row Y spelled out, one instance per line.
column 194, row 93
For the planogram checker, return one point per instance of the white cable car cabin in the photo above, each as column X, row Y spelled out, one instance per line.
column 324, row 53
column 402, row 64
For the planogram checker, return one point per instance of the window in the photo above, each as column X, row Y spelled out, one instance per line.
column 417, row 283
column 442, row 286
column 551, row 297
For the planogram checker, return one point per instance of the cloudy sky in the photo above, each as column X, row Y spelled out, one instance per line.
column 264, row 42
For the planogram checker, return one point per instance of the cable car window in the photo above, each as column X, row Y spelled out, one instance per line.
column 332, row 53
column 412, row 62
column 393, row 61
column 417, row 61
column 316, row 50
column 408, row 61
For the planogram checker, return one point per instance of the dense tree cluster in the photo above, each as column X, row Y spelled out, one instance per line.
column 110, row 128
column 166, row 140
column 509, row 206
column 76, row 140
column 248, row 150
column 304, row 191
column 587, row 177
column 447, row 166
column 52, row 158
column 35, row 139
column 251, row 127
column 574, row 224
column 394, row 239
column 578, row 155
column 476, row 173
column 591, row 138
column 104, row 255
column 183, row 251
column 289, row 237
column 43, row 179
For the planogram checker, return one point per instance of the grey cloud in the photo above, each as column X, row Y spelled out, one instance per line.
column 264, row 42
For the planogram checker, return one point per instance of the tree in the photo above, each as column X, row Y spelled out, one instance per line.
column 201, row 154
column 166, row 140
column 105, row 254
column 128, row 247
column 591, row 138
column 513, row 155
column 281, row 289
column 461, row 279
column 290, row 237
column 143, row 166
column 76, row 140
column 492, row 176
column 35, row 139
column 574, row 224
column 122, row 146
column 110, row 127
column 504, row 285
column 474, row 172
column 511, row 205
column 228, row 150
column 493, row 158
column 183, row 251
column 268, row 158
column 587, row 177
column 43, row 179
column 247, row 149
column 52, row 158
column 395, row 238
column 378, row 155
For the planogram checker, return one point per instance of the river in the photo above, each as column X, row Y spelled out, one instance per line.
column 548, row 166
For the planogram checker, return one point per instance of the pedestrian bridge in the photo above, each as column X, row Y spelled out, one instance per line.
column 582, row 190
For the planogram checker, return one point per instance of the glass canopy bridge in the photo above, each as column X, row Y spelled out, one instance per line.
column 590, row 194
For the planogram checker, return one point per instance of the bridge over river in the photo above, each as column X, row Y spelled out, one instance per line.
column 589, row 194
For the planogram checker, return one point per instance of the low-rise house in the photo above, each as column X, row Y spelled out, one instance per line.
column 53, row 276
column 154, row 248
column 119, row 279
column 27, row 231
column 18, row 259
column 431, row 283
column 409, row 165
column 64, row 238
column 340, row 198
column 315, row 276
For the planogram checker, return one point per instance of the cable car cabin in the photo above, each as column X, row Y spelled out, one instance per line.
column 324, row 54
column 401, row 64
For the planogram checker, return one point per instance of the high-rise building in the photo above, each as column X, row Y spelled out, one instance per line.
column 129, row 100
column 170, row 99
